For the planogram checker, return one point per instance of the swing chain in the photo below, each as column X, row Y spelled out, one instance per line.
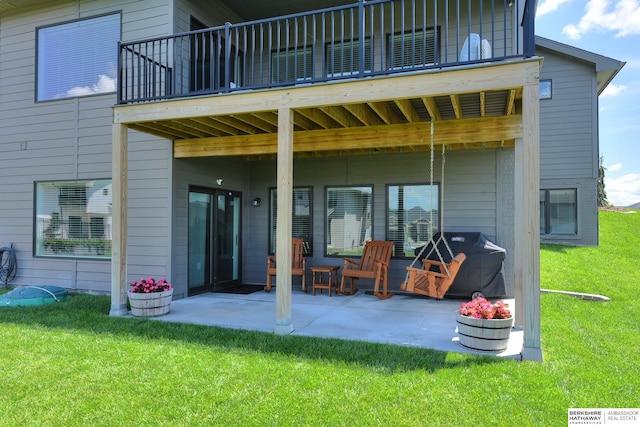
column 434, row 244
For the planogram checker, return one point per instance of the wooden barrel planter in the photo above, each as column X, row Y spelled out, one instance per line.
column 484, row 334
column 151, row 304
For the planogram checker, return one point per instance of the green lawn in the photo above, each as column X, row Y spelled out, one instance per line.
column 72, row 364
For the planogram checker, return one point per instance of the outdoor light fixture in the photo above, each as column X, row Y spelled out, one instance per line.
column 256, row 202
column 219, row 181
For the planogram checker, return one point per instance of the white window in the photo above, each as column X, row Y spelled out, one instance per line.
column 78, row 58
column 73, row 219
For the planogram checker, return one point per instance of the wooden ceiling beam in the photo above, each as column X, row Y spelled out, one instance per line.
column 303, row 123
column 147, row 128
column 465, row 131
column 384, row 112
column 341, row 116
column 199, row 124
column 432, row 108
column 363, row 113
column 185, row 127
column 412, row 149
column 267, row 116
column 511, row 102
column 218, row 126
column 235, row 123
column 407, row 110
column 455, row 103
column 318, row 117
column 256, row 122
column 178, row 131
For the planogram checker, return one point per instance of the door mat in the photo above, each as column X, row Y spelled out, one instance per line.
column 241, row 289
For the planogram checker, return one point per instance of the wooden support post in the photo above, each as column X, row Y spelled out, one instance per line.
column 519, row 243
column 119, row 184
column 527, row 212
column 284, row 323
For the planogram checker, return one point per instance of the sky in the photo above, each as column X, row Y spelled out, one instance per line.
column 612, row 29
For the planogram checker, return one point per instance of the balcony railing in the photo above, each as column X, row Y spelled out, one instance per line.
column 356, row 41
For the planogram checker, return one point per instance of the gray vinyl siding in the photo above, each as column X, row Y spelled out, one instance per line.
column 211, row 13
column 71, row 139
column 569, row 139
column 471, row 193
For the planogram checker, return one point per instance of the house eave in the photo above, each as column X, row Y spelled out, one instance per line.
column 606, row 68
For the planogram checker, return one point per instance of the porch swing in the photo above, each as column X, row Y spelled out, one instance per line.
column 437, row 275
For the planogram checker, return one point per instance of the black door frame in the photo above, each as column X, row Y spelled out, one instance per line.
column 212, row 259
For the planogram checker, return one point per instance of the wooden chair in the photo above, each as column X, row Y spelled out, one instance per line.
column 432, row 283
column 298, row 264
column 373, row 264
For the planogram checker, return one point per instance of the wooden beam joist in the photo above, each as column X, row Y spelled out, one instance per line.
column 407, row 110
column 432, row 108
column 511, row 102
column 455, row 103
column 363, row 113
column 383, row 110
column 473, row 132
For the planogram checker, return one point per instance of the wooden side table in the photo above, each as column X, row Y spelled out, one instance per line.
column 317, row 273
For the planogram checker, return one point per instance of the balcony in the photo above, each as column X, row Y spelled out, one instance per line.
column 366, row 39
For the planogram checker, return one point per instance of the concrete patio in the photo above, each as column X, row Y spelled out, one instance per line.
column 406, row 320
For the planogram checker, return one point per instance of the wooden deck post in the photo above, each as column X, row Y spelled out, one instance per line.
column 119, row 184
column 527, row 233
column 284, row 323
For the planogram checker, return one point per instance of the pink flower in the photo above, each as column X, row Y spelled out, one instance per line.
column 480, row 308
column 150, row 285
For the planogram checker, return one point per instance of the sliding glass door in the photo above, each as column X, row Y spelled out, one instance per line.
column 214, row 239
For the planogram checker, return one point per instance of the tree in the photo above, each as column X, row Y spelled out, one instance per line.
column 602, row 193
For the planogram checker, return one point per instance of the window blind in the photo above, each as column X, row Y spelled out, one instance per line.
column 73, row 218
column 412, row 48
column 349, row 219
column 343, row 58
column 78, row 58
column 292, row 65
column 302, row 218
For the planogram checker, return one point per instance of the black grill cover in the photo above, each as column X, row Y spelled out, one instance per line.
column 480, row 272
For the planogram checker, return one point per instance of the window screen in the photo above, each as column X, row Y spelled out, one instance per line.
column 73, row 219
column 349, row 219
column 78, row 58
column 302, row 224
